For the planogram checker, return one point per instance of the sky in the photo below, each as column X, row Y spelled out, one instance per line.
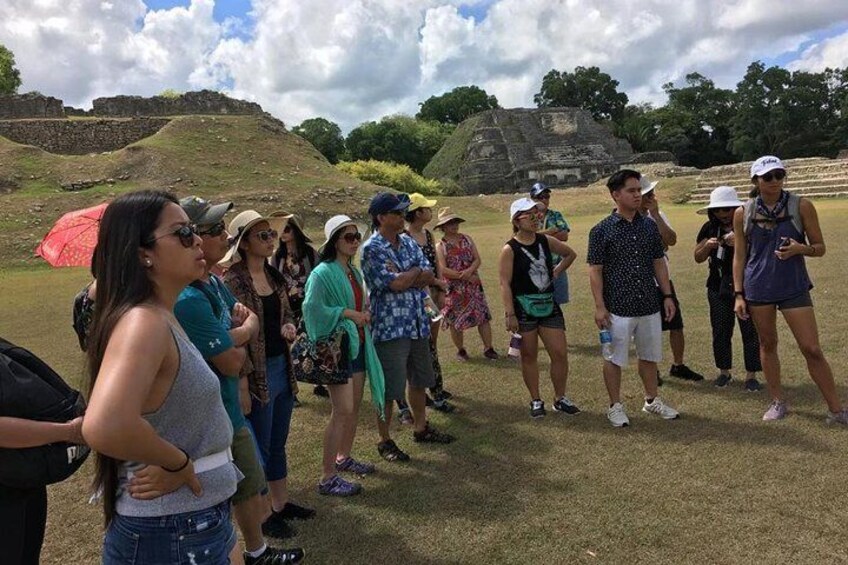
column 352, row 61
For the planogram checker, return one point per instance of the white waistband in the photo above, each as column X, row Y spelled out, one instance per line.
column 213, row 461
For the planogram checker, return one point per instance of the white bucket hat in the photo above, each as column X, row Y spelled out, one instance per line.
column 722, row 197
column 521, row 205
column 335, row 224
column 647, row 185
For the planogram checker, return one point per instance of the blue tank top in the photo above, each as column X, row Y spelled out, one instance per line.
column 767, row 278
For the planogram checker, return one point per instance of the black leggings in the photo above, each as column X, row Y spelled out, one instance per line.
column 23, row 516
column 722, row 320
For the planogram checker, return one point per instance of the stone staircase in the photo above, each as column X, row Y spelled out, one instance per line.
column 813, row 177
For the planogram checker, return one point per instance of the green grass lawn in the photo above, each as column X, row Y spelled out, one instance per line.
column 717, row 486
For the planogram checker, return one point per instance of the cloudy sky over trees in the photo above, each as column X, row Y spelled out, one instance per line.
column 356, row 60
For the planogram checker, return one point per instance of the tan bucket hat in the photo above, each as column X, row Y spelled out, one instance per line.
column 294, row 220
column 240, row 225
column 445, row 216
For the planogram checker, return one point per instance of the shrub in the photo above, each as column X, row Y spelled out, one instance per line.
column 390, row 175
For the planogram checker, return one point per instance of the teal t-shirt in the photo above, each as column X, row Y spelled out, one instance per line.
column 208, row 329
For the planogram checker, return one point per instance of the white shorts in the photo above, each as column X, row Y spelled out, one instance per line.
column 645, row 331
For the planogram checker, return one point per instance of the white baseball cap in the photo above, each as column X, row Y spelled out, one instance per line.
column 521, row 205
column 765, row 164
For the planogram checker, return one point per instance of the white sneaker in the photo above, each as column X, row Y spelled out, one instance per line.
column 616, row 416
column 661, row 409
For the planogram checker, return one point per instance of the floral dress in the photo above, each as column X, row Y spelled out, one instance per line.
column 465, row 303
column 295, row 271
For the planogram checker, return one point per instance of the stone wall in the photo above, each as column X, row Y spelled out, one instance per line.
column 79, row 137
column 30, row 105
column 201, row 102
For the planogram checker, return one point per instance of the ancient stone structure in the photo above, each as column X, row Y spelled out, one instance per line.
column 653, row 157
column 810, row 177
column 201, row 102
column 80, row 136
column 30, row 105
column 509, row 150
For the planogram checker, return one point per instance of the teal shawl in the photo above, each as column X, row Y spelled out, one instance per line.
column 327, row 295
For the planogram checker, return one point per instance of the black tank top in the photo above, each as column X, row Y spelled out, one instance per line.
column 532, row 267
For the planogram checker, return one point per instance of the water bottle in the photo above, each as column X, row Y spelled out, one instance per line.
column 605, row 338
column 514, row 350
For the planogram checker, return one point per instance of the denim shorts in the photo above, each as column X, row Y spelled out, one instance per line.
column 358, row 364
column 801, row 301
column 201, row 537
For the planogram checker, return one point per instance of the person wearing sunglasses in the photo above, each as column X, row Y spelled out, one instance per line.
column 155, row 409
column 396, row 273
column 335, row 301
column 220, row 328
column 262, row 290
column 775, row 230
column 554, row 225
column 526, row 273
column 294, row 259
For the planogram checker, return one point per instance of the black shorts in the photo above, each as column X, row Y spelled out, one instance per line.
column 801, row 301
column 676, row 322
column 528, row 323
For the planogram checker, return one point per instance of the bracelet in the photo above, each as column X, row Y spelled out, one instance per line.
column 668, row 296
column 181, row 467
column 739, row 293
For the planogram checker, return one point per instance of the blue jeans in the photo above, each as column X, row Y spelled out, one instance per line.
column 204, row 536
column 271, row 421
column 561, row 288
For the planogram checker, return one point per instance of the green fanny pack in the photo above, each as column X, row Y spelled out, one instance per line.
column 537, row 305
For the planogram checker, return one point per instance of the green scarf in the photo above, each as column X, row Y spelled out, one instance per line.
column 327, row 295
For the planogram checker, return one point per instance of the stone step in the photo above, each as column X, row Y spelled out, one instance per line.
column 793, row 184
column 738, row 181
column 839, row 194
column 719, row 174
column 808, row 192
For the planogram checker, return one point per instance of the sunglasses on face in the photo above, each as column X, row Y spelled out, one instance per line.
column 267, row 235
column 213, row 231
column 352, row 237
column 185, row 233
column 774, row 175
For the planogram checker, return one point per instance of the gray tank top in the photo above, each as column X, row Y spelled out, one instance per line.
column 193, row 418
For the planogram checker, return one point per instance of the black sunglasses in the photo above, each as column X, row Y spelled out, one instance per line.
column 214, row 231
column 779, row 174
column 185, row 233
column 351, row 237
column 265, row 235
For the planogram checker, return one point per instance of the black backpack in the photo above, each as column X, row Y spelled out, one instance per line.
column 31, row 390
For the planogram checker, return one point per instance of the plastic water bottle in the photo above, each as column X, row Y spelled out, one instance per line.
column 514, row 350
column 605, row 338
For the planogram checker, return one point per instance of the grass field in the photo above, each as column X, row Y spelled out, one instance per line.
column 717, row 486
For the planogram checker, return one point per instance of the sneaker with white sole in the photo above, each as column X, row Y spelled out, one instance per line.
column 616, row 416
column 661, row 409
column 840, row 417
column 537, row 409
column 564, row 404
column 776, row 411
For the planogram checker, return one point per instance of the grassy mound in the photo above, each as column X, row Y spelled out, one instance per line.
column 444, row 166
column 251, row 160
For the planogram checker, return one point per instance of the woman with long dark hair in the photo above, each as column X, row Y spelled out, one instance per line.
column 715, row 242
column 294, row 259
column 260, row 287
column 775, row 230
column 155, row 414
column 335, row 301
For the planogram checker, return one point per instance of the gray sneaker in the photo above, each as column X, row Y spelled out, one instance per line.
column 777, row 411
column 661, row 409
column 840, row 417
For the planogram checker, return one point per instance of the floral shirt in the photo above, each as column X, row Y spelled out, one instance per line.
column 394, row 315
column 554, row 219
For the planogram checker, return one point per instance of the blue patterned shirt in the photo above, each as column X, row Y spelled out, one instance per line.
column 394, row 315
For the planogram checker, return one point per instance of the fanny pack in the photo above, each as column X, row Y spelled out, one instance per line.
column 537, row 305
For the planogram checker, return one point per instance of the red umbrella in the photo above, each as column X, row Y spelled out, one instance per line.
column 71, row 241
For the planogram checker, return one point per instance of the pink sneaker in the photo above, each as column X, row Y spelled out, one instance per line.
column 777, row 411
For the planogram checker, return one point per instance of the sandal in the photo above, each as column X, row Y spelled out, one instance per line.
column 430, row 435
column 389, row 451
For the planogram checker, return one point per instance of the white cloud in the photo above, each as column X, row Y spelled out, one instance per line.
column 357, row 60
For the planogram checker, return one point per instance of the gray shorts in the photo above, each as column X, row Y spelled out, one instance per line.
column 405, row 360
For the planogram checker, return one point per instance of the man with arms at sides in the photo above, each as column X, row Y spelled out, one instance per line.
column 219, row 327
column 626, row 260
column 397, row 274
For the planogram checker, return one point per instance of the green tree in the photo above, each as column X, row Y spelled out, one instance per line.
column 455, row 106
column 397, row 139
column 170, row 93
column 10, row 76
column 325, row 135
column 587, row 88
